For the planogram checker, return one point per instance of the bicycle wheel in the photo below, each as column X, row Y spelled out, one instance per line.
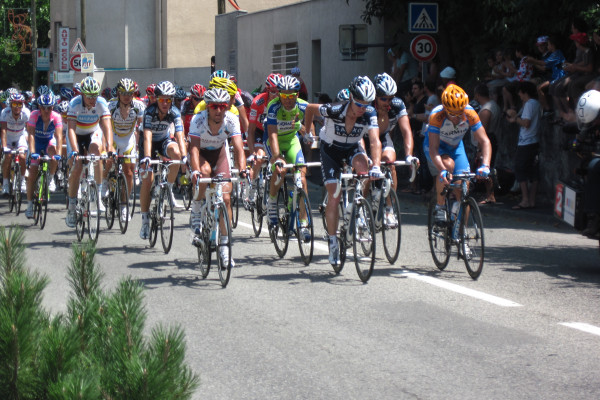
column 186, row 193
column 472, row 242
column 36, row 199
column 439, row 238
column 391, row 230
column 132, row 195
column 203, row 246
column 280, row 232
column 122, row 203
column 11, row 198
column 305, row 244
column 153, row 236
column 363, row 239
column 166, row 218
column 257, row 212
column 79, row 220
column 235, row 204
column 93, row 211
column 17, row 191
column 109, row 206
column 43, row 201
column 224, row 247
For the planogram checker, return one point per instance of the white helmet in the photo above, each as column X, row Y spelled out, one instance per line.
column 361, row 88
column 588, row 108
column 385, row 85
column 216, row 95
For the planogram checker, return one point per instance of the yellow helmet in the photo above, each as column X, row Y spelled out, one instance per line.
column 454, row 99
column 223, row 83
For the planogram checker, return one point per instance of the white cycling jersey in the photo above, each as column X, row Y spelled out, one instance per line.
column 15, row 127
column 87, row 118
column 123, row 126
column 199, row 128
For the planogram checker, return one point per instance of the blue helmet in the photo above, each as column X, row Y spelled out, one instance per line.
column 343, row 95
column 46, row 100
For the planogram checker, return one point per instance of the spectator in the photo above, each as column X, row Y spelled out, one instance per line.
column 540, row 73
column 524, row 73
column 578, row 74
column 595, row 83
column 448, row 76
column 303, row 93
column 404, row 69
column 552, row 62
column 498, row 75
column 490, row 115
column 526, row 157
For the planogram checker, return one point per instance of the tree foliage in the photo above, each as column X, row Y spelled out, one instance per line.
column 469, row 29
column 16, row 69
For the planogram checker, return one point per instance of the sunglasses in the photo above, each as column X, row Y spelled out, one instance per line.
column 456, row 115
column 126, row 93
column 386, row 99
column 45, row 108
column 361, row 105
column 288, row 95
column 219, row 107
column 167, row 100
column 91, row 96
column 16, row 105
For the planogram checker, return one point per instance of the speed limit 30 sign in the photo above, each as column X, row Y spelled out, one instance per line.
column 423, row 48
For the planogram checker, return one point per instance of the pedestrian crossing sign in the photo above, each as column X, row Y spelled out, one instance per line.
column 78, row 47
column 422, row 17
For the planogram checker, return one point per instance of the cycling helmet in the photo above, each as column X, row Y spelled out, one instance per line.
column 385, row 85
column 125, row 85
column 17, row 98
column 272, row 80
column 106, row 93
column 223, row 83
column 43, row 90
column 454, row 99
column 46, row 100
column 343, row 95
column 90, row 86
column 361, row 88
column 180, row 94
column 216, row 95
column 247, row 98
column 295, row 71
column 113, row 93
column 150, row 89
column 77, row 88
column 164, row 88
column 588, row 108
column 289, row 82
column 198, row 90
column 63, row 107
column 67, row 93
column 28, row 94
column 220, row 74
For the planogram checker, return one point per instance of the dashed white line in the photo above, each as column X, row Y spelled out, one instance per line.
column 594, row 330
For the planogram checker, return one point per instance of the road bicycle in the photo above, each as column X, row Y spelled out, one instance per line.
column 15, row 197
column 161, row 206
column 118, row 201
column 215, row 231
column 41, row 194
column 386, row 208
column 294, row 216
column 357, row 228
column 258, row 193
column 463, row 228
column 87, row 209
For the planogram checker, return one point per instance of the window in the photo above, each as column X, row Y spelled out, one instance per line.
column 353, row 42
column 284, row 58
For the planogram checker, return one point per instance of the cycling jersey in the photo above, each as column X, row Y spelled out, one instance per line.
column 334, row 128
column 396, row 111
column 288, row 123
column 451, row 135
column 200, row 129
column 258, row 112
column 161, row 129
column 44, row 132
column 15, row 127
column 123, row 127
column 87, row 119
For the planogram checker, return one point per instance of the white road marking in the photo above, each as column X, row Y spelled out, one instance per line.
column 499, row 301
column 594, row 330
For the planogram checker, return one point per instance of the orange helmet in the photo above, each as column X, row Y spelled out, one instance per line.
column 454, row 99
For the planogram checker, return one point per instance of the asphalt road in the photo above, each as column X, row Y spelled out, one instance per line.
column 529, row 328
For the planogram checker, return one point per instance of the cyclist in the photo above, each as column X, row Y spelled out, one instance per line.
column 346, row 123
column 62, row 108
column 448, row 123
column 150, row 97
column 13, row 121
column 45, row 129
column 89, row 132
column 126, row 115
column 179, row 97
column 258, row 115
column 391, row 112
column 284, row 122
column 187, row 108
column 236, row 103
column 160, row 119
column 209, row 152
column 303, row 92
